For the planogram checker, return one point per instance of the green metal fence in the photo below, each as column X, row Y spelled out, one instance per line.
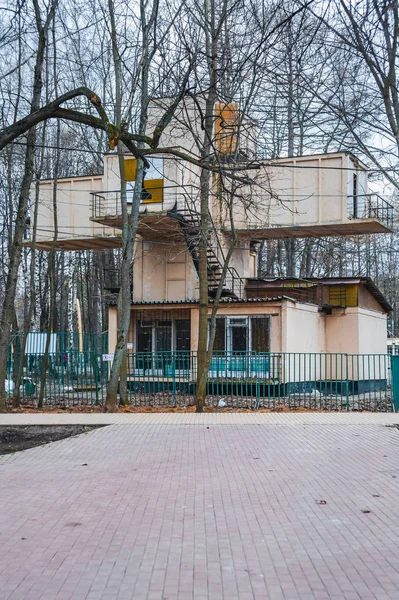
column 267, row 380
column 78, row 370
column 76, row 373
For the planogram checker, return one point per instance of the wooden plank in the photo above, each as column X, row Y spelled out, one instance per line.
column 318, row 230
column 93, row 243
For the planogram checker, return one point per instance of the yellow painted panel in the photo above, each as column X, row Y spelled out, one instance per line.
column 343, row 295
column 296, row 284
column 155, row 188
column 226, row 127
column 130, row 169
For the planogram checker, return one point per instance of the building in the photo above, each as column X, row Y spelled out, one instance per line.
column 308, row 196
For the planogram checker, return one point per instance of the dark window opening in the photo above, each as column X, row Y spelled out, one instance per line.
column 219, row 344
column 182, row 334
column 144, row 336
column 354, row 191
column 260, row 328
column 242, row 334
column 164, row 332
column 163, row 336
column 238, row 329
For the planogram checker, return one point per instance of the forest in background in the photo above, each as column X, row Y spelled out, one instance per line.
column 327, row 83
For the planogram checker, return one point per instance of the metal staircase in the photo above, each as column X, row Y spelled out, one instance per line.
column 190, row 224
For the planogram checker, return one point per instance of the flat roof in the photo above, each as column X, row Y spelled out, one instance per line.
column 221, row 301
column 366, row 281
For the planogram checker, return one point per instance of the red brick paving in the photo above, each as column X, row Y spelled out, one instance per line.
column 186, row 512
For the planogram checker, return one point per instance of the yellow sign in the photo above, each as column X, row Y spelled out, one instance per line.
column 226, row 127
column 153, row 181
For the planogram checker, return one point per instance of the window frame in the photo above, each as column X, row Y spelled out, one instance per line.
column 248, row 319
column 153, row 326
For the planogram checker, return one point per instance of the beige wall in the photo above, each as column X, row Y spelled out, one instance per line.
column 372, row 332
column 303, row 190
column 186, row 128
column 366, row 300
column 163, row 272
column 74, row 209
column 356, row 331
column 112, row 328
column 242, row 259
column 303, row 328
column 300, row 328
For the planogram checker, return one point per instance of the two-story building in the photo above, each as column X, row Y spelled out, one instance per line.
column 307, row 196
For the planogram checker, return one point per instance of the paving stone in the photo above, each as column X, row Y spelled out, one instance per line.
column 255, row 507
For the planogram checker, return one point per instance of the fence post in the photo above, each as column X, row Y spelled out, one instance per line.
column 395, row 381
column 347, row 381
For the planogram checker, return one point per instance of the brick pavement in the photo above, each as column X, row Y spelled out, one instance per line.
column 185, row 510
column 215, row 418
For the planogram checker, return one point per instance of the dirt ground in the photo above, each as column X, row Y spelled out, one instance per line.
column 157, row 409
column 21, row 437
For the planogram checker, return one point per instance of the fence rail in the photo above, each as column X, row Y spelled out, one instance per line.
column 78, row 371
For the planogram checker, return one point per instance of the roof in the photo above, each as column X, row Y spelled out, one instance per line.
column 222, row 301
column 366, row 281
column 303, row 157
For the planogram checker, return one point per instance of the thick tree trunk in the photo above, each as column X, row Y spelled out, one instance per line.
column 205, row 181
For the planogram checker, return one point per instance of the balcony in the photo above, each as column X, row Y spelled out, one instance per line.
column 154, row 220
column 371, row 206
column 317, row 217
column 313, row 217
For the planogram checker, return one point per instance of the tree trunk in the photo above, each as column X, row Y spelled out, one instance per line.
column 205, row 181
column 20, row 218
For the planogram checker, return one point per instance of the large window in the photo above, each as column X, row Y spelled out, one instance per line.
column 242, row 334
column 162, row 335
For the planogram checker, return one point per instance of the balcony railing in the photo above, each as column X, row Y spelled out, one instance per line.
column 108, row 203
column 371, row 206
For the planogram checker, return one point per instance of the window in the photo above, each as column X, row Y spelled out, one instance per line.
column 163, row 335
column 219, row 344
column 144, row 336
column 242, row 334
column 260, row 334
column 237, row 335
column 182, row 334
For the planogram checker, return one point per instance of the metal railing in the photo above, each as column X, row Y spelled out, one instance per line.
column 264, row 380
column 189, row 217
column 76, row 373
column 271, row 380
column 108, row 203
column 371, row 206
